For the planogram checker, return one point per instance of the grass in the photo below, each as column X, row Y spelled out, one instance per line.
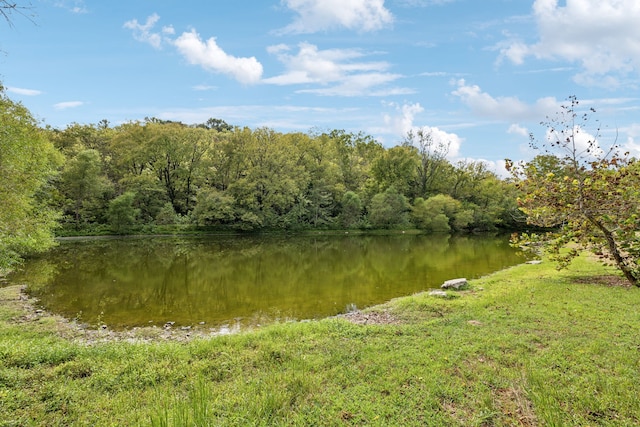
column 525, row 346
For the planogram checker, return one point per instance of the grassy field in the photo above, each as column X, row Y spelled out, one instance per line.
column 525, row 346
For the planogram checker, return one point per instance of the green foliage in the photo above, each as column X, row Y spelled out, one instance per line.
column 389, row 210
column 213, row 208
column 440, row 213
column 85, row 185
column 589, row 196
column 351, row 214
column 167, row 215
column 150, row 196
column 432, row 161
column 214, row 174
column 122, row 214
column 397, row 167
column 28, row 163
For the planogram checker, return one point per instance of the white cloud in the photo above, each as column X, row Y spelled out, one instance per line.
column 143, row 32
column 206, row 54
column 403, row 122
column 632, row 144
column 442, row 137
column 320, row 15
column 24, row 92
column 503, row 108
column 75, row 6
column 601, row 35
column 68, row 104
column 586, row 144
column 211, row 57
column 516, row 129
column 342, row 70
column 203, row 88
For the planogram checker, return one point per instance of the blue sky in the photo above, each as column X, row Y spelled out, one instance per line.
column 480, row 75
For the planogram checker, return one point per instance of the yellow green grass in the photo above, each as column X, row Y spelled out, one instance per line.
column 525, row 346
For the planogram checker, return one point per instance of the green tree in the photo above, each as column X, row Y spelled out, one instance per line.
column 167, row 215
column 218, row 125
column 122, row 214
column 28, row 161
column 213, row 207
column 440, row 213
column 432, row 160
column 351, row 214
column 84, row 184
column 274, row 178
column 591, row 198
column 355, row 153
column 396, row 167
column 389, row 209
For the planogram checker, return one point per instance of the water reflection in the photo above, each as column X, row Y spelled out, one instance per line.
column 248, row 280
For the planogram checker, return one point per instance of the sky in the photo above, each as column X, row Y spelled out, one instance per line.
column 479, row 75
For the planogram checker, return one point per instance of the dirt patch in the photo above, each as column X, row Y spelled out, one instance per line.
column 515, row 406
column 606, row 280
column 371, row 318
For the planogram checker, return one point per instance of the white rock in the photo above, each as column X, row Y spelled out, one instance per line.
column 441, row 294
column 454, row 284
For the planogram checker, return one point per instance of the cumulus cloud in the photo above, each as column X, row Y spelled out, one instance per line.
column 206, row 54
column 403, row 122
column 319, row 15
column 632, row 143
column 68, row 104
column 503, row 108
column 343, row 71
column 211, row 57
column 601, row 35
column 586, row 144
column 24, row 92
column 453, row 141
column 516, row 129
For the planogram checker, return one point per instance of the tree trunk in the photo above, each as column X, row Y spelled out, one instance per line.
column 615, row 252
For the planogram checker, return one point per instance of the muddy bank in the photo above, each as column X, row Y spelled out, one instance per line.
column 25, row 310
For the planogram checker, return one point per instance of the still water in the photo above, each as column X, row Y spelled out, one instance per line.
column 243, row 280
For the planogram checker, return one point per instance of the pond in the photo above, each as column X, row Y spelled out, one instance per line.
column 237, row 281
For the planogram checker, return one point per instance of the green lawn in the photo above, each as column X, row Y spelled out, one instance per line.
column 525, row 346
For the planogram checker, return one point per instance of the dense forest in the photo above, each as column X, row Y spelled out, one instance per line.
column 216, row 175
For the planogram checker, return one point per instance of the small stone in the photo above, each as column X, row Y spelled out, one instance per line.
column 534, row 262
column 185, row 328
column 202, row 323
column 440, row 294
column 474, row 323
column 455, row 284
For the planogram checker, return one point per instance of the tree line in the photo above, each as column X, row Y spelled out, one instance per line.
column 216, row 175
column 99, row 178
